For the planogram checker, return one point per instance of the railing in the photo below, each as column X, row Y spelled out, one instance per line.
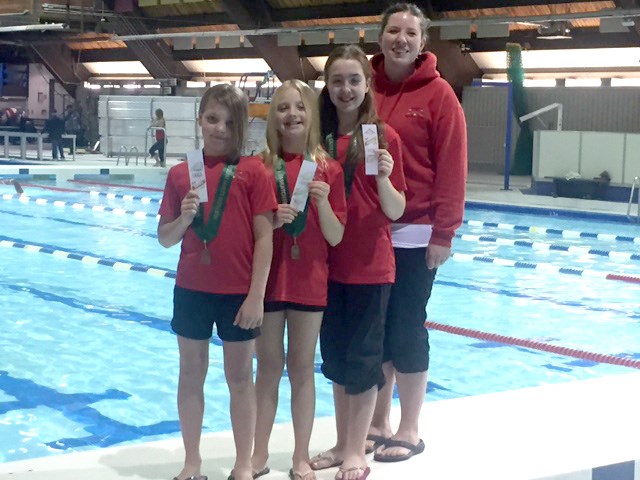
column 536, row 114
column 24, row 136
column 634, row 185
column 127, row 153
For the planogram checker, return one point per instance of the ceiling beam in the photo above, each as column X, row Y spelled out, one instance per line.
column 371, row 8
column 156, row 56
column 581, row 38
column 285, row 62
column 59, row 60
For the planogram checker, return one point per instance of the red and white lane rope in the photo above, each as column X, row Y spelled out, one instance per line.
column 546, row 347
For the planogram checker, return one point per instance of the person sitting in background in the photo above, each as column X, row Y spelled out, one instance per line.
column 54, row 126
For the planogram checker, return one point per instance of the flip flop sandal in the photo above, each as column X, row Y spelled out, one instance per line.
column 298, row 476
column 378, row 441
column 413, row 450
column 262, row 472
column 325, row 457
column 365, row 471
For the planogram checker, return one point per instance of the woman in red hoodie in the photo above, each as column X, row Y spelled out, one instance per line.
column 422, row 107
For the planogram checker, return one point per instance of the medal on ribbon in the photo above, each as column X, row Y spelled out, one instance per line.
column 348, row 169
column 298, row 225
column 209, row 231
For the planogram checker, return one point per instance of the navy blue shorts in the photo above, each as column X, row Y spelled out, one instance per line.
column 406, row 340
column 195, row 313
column 280, row 306
column 352, row 335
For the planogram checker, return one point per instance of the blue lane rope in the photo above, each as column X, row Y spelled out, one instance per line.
column 79, row 206
column 553, row 231
column 116, row 264
column 550, row 246
column 112, row 196
column 545, row 267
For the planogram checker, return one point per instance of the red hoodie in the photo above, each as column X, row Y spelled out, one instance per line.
column 426, row 113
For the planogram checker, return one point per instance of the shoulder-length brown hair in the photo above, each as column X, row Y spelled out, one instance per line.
column 237, row 102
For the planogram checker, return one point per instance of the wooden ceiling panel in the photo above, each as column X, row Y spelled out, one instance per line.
column 185, row 9
column 331, row 21
column 309, row 3
column 532, row 10
column 14, row 6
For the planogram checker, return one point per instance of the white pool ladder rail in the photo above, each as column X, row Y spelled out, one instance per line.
column 634, row 185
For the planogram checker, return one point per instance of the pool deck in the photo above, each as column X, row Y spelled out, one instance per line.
column 583, row 430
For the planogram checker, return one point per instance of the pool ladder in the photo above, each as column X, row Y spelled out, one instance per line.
column 634, row 185
column 128, row 152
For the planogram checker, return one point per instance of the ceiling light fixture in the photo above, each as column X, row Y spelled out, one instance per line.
column 35, row 27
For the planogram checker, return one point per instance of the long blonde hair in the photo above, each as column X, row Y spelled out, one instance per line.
column 273, row 149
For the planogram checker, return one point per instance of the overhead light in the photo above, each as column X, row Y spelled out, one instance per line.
column 628, row 22
column 556, row 30
column 37, row 27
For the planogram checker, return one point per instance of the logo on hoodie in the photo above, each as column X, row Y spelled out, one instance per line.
column 415, row 112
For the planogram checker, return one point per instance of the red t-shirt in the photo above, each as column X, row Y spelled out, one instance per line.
column 231, row 251
column 304, row 280
column 365, row 255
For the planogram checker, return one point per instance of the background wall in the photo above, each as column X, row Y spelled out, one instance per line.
column 596, row 109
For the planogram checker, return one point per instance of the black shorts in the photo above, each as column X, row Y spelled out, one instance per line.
column 194, row 314
column 406, row 341
column 280, row 306
column 352, row 335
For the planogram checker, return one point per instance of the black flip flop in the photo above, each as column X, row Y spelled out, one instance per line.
column 413, row 450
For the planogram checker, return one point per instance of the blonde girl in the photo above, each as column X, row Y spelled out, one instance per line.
column 297, row 287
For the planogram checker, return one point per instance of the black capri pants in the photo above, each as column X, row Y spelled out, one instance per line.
column 406, row 341
column 352, row 335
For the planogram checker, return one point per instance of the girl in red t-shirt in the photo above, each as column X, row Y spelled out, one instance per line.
column 362, row 267
column 297, row 288
column 226, row 248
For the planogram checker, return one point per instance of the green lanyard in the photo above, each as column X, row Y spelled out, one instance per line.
column 296, row 227
column 209, row 231
column 349, row 170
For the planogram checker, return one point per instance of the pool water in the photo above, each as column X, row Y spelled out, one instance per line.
column 88, row 358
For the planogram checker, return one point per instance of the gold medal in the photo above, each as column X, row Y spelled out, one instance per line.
column 205, row 256
column 295, row 250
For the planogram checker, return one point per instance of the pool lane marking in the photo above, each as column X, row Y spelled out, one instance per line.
column 79, row 206
column 122, row 265
column 545, row 267
column 550, row 246
column 135, row 187
column 112, row 196
column 533, row 344
column 553, row 231
column 116, row 264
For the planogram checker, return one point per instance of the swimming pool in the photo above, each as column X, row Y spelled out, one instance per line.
column 88, row 359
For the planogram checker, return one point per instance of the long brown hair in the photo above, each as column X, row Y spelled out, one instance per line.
column 366, row 112
column 273, row 148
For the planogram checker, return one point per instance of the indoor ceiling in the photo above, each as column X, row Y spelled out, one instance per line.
column 194, row 39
